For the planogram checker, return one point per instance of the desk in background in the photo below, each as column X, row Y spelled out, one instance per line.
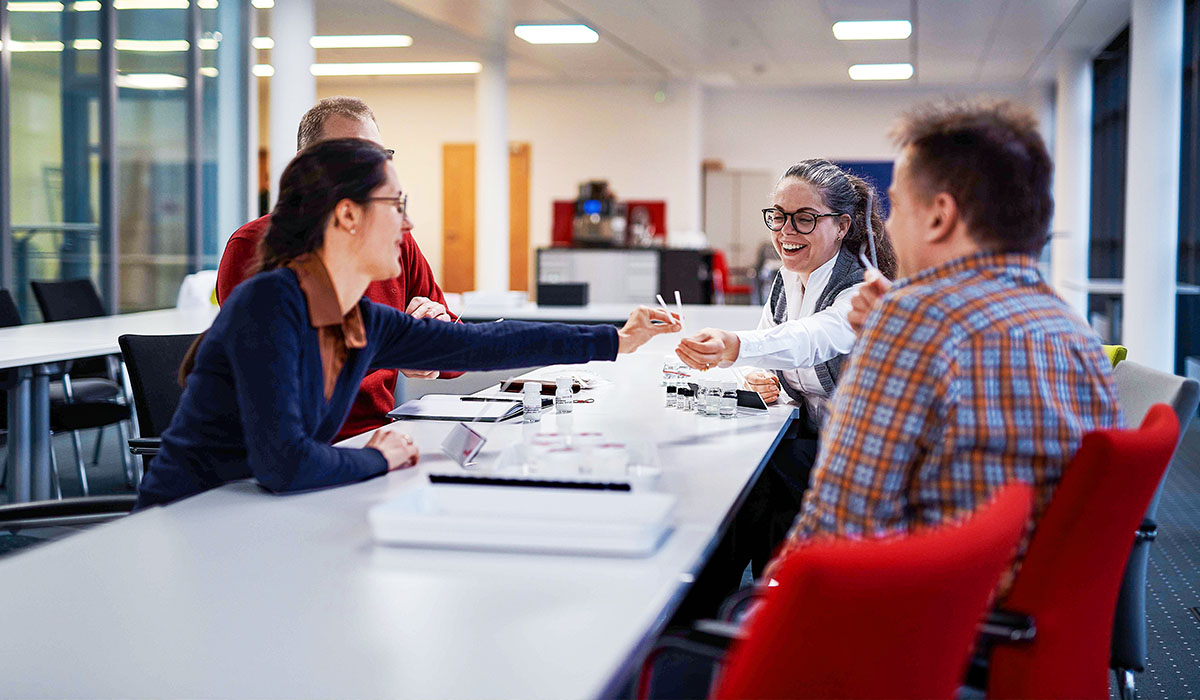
column 237, row 593
column 630, row 275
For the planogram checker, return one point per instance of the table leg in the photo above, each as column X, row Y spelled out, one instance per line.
column 19, row 449
column 39, row 429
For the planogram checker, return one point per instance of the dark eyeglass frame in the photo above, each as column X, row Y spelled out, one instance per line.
column 400, row 202
column 390, row 151
column 769, row 211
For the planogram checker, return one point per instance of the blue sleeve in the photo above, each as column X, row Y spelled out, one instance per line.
column 265, row 360
column 402, row 341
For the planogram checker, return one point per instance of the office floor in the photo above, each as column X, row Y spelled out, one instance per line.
column 1173, row 607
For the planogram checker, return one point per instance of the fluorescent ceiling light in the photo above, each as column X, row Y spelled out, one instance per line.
column 408, row 68
column 208, row 4
column 872, row 30
column 151, row 81
column 86, row 44
column 209, row 72
column 36, row 6
column 557, row 33
column 151, row 5
column 87, row 6
column 263, row 4
column 362, row 41
column 263, row 42
column 152, row 46
column 881, row 71
column 264, row 70
column 34, row 46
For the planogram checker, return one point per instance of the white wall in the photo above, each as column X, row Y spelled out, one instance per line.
column 646, row 150
column 577, row 132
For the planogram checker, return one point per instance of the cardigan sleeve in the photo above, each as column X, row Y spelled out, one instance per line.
column 266, row 365
column 399, row 340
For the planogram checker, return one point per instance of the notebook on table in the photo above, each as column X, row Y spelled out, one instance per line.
column 457, row 408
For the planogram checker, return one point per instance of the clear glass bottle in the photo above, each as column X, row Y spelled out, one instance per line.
column 532, row 403
column 729, row 399
column 712, row 401
column 683, row 396
column 564, row 398
column 672, row 392
column 700, row 403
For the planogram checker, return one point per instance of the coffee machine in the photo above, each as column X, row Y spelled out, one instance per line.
column 599, row 218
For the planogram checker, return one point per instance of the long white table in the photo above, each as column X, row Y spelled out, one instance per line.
column 697, row 316
column 32, row 353
column 238, row 593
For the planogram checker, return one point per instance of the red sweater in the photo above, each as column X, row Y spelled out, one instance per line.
column 377, row 394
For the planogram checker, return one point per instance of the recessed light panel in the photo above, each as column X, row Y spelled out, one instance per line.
column 872, row 30
column 557, row 33
column 881, row 71
column 400, row 68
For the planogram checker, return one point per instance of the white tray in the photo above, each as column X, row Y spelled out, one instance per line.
column 518, row 519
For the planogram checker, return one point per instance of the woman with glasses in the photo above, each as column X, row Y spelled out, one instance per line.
column 819, row 220
column 272, row 379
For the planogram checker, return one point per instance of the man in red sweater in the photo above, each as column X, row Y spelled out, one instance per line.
column 415, row 291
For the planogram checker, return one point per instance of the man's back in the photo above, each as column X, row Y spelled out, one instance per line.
column 972, row 374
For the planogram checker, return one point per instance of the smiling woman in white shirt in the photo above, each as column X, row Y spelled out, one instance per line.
column 819, row 220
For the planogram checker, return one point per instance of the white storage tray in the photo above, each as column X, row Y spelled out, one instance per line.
column 521, row 519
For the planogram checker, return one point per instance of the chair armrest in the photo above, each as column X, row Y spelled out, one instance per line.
column 709, row 639
column 733, row 607
column 1007, row 626
column 145, row 446
column 68, row 511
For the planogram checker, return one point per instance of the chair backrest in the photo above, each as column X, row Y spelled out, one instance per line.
column 153, row 362
column 67, row 300
column 1073, row 568
column 9, row 315
column 892, row 618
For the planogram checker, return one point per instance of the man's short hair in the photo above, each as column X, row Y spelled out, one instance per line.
column 312, row 124
column 988, row 155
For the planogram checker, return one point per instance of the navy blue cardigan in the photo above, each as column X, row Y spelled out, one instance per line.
column 254, row 405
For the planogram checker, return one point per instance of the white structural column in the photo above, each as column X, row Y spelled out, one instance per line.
column 293, row 87
column 690, row 218
column 491, row 172
column 1072, row 178
column 1152, row 182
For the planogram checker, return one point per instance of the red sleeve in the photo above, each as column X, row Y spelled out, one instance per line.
column 240, row 256
column 418, row 276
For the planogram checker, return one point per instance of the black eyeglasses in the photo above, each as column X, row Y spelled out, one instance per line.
column 400, row 202
column 390, row 152
column 802, row 220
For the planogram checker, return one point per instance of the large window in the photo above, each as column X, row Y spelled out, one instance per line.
column 137, row 90
column 1187, row 335
column 1110, row 127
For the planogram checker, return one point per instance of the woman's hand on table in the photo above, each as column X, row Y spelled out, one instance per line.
column 397, row 448
column 641, row 327
column 765, row 384
column 709, row 348
column 867, row 298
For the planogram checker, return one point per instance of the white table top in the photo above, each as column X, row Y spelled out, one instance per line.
column 239, row 593
column 697, row 316
column 69, row 340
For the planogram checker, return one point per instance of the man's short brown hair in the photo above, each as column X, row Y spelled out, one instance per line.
column 312, row 124
column 988, row 155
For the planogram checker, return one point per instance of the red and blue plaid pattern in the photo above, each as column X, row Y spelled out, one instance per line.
column 970, row 375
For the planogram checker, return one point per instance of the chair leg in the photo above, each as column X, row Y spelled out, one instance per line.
column 1126, row 683
column 131, row 479
column 54, row 471
column 83, row 482
column 99, row 443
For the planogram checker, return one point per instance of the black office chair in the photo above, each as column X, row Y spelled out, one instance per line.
column 69, row 411
column 89, row 379
column 1139, row 388
column 153, row 363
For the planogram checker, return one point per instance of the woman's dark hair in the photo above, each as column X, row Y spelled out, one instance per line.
column 312, row 184
column 851, row 195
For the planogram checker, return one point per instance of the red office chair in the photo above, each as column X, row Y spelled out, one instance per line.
column 891, row 618
column 720, row 269
column 1069, row 580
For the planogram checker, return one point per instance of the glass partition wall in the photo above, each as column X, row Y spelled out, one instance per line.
column 112, row 160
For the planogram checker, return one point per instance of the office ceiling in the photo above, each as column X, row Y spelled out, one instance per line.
column 765, row 43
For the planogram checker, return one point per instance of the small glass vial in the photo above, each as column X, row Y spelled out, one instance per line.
column 700, row 401
column 683, row 396
column 729, row 399
column 672, row 392
column 564, row 398
column 532, row 402
column 712, row 403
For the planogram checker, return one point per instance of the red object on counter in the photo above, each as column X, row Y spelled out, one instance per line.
column 562, row 233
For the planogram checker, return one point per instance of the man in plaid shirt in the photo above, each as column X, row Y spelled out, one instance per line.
column 970, row 372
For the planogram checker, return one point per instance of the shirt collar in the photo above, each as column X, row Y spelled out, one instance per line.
column 323, row 307
column 1022, row 262
column 817, row 279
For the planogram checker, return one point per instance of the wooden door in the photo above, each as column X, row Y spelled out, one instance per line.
column 458, row 216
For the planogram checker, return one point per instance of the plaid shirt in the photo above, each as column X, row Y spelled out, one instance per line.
column 970, row 375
